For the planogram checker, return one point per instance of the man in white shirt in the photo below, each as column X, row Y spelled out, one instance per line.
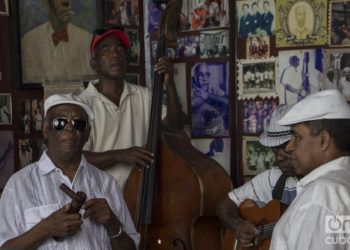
column 263, row 187
column 122, row 109
column 319, row 151
column 35, row 213
column 56, row 50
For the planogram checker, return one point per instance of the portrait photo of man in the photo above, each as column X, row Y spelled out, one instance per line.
column 301, row 19
column 55, row 44
column 4, row 7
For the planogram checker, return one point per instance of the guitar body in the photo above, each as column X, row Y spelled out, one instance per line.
column 248, row 210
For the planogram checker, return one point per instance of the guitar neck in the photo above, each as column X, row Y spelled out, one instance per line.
column 265, row 231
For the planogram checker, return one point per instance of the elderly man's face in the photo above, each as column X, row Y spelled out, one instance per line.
column 282, row 160
column 203, row 76
column 305, row 150
column 300, row 15
column 60, row 10
column 65, row 143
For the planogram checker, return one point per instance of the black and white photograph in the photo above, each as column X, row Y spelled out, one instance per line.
column 214, row 44
column 204, row 14
column 217, row 148
column 256, row 158
column 37, row 115
column 336, row 70
column 24, row 116
column 4, row 7
column 339, row 28
column 25, row 152
column 300, row 74
column 257, row 47
column 7, row 166
column 256, row 115
column 209, row 99
column 257, row 78
column 187, row 46
column 5, row 109
column 256, row 18
column 134, row 51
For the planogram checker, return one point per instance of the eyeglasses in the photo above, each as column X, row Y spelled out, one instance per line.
column 60, row 123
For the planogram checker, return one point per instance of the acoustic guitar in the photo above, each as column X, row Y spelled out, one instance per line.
column 263, row 218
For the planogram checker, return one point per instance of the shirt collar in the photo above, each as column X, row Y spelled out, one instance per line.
column 46, row 165
column 339, row 163
column 129, row 89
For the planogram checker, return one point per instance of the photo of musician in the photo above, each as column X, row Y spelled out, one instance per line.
column 258, row 47
column 256, row 18
column 209, row 99
column 209, row 14
column 300, row 74
column 320, row 152
column 43, row 216
column 277, row 183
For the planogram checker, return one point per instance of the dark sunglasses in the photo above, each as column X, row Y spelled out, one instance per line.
column 60, row 123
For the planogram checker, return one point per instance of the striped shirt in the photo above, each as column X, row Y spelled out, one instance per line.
column 33, row 193
column 261, row 186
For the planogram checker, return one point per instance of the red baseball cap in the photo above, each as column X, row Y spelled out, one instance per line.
column 101, row 34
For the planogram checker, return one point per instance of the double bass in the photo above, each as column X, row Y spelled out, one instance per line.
column 173, row 201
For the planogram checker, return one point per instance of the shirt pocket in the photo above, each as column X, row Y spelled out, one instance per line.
column 34, row 215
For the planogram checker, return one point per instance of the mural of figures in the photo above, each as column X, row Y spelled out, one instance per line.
column 209, row 99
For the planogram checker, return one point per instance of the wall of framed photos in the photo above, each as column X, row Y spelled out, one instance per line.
column 235, row 61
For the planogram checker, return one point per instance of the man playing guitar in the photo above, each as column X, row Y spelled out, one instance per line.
column 276, row 183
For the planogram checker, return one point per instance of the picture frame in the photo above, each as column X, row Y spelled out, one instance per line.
column 7, row 165
column 255, row 157
column 338, row 23
column 5, row 109
column 4, row 8
column 121, row 12
column 57, row 61
column 209, row 99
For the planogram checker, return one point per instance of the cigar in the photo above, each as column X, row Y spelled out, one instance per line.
column 78, row 198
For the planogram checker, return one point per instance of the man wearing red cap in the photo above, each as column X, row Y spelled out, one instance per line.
column 121, row 108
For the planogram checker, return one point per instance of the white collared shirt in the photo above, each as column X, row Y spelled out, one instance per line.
column 33, row 193
column 323, row 192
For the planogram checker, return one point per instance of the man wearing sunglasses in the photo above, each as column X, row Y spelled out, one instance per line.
column 122, row 109
column 34, row 212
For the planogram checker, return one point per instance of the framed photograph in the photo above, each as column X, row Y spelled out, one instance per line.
column 255, row 18
column 204, row 14
column 7, row 166
column 214, row 44
column 37, row 115
column 5, row 109
column 134, row 51
column 209, row 99
column 121, row 12
column 48, row 54
column 25, row 117
column 257, row 47
column 4, row 7
column 256, row 115
column 300, row 74
column 339, row 34
column 217, row 148
column 257, row 77
column 301, row 23
column 187, row 46
column 25, row 152
column 255, row 157
column 336, row 70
